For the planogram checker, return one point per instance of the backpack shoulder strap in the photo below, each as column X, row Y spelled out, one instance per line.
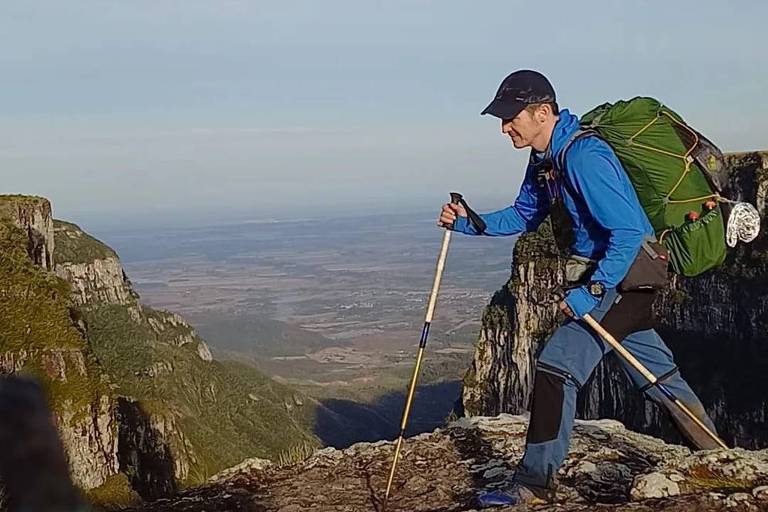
column 581, row 133
column 578, row 134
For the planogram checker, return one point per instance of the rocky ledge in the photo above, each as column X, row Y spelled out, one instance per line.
column 608, row 468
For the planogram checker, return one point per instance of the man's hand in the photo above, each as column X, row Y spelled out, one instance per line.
column 567, row 310
column 449, row 213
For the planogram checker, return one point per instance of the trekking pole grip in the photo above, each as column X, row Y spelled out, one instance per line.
column 474, row 218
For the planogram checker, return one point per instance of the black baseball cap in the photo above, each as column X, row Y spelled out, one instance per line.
column 519, row 90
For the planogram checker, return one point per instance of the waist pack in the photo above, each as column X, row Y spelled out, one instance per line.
column 648, row 271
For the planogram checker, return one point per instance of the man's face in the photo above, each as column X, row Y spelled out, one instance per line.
column 522, row 129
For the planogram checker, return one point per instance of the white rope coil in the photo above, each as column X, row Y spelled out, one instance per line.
column 743, row 224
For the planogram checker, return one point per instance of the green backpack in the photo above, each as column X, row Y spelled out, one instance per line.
column 677, row 174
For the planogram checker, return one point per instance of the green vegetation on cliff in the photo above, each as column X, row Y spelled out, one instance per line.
column 204, row 414
column 37, row 333
column 215, row 414
column 73, row 245
column 207, row 415
column 34, row 304
column 227, row 411
column 9, row 203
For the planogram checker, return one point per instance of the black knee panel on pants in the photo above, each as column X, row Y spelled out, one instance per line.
column 546, row 407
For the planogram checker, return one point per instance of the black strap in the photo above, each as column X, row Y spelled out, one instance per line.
column 554, row 370
column 659, row 380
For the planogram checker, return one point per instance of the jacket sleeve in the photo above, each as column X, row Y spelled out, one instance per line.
column 527, row 212
column 596, row 174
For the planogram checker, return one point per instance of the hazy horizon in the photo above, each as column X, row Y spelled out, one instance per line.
column 127, row 112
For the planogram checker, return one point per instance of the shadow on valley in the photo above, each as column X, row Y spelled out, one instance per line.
column 341, row 423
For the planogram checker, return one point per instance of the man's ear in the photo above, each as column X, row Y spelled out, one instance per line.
column 543, row 113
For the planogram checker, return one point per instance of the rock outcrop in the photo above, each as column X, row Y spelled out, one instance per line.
column 33, row 215
column 520, row 317
column 90, row 440
column 714, row 323
column 608, row 468
column 92, row 269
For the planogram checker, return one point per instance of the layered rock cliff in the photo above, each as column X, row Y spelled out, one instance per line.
column 608, row 468
column 141, row 405
column 91, row 268
column 714, row 323
column 33, row 216
column 182, row 416
column 38, row 336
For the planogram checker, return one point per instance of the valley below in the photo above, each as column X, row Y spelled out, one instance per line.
column 332, row 307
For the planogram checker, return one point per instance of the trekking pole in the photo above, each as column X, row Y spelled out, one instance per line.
column 651, row 378
column 456, row 198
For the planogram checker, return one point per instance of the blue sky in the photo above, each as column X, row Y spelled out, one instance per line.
column 128, row 110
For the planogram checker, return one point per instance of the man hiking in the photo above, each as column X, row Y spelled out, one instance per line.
column 579, row 181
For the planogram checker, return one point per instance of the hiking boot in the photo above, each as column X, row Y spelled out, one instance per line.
column 515, row 493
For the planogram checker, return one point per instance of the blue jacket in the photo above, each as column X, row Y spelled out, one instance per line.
column 609, row 223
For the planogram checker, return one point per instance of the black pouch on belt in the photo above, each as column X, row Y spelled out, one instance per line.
column 649, row 270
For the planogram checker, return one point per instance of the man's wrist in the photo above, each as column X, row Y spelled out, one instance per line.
column 460, row 224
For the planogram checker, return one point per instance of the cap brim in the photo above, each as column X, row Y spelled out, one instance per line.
column 503, row 109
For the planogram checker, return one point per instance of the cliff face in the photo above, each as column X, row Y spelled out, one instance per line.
column 608, row 468
column 82, row 406
column 516, row 322
column 140, row 403
column 39, row 336
column 33, row 216
column 182, row 416
column 714, row 323
column 91, row 268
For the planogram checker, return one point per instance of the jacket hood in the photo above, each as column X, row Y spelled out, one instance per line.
column 564, row 128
